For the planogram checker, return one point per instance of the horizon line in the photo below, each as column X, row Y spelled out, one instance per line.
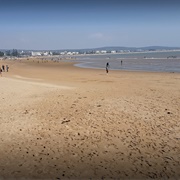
column 158, row 46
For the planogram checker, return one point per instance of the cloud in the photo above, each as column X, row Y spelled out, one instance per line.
column 100, row 36
column 97, row 36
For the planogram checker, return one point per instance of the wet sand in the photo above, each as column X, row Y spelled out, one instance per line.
column 58, row 121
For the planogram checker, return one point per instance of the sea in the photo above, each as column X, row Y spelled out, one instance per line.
column 168, row 61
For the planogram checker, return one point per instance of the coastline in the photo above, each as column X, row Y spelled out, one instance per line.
column 83, row 65
column 141, row 52
column 62, row 121
column 144, row 63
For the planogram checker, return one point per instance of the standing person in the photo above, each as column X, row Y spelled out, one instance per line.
column 121, row 62
column 107, row 67
column 7, row 68
column 0, row 72
column 3, row 68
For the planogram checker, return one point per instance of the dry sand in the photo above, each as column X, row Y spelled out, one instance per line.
column 59, row 121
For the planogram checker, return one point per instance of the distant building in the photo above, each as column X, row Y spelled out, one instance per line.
column 72, row 53
column 69, row 53
column 113, row 52
column 97, row 52
column 103, row 51
column 47, row 53
column 63, row 53
column 36, row 53
column 139, row 50
column 75, row 53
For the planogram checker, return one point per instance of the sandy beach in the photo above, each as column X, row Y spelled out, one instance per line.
column 58, row 121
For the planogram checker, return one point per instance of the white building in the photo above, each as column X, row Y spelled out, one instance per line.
column 97, row 52
column 36, row 53
column 103, row 51
column 47, row 53
column 69, row 53
column 113, row 52
column 75, row 53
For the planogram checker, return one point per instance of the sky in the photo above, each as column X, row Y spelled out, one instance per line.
column 78, row 24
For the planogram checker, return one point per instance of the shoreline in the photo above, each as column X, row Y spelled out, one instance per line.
column 149, row 64
column 133, row 52
column 80, row 65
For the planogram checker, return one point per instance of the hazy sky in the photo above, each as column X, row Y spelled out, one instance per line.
column 56, row 24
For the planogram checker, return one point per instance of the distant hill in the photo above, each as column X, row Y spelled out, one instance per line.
column 137, row 48
column 159, row 48
column 121, row 48
column 109, row 48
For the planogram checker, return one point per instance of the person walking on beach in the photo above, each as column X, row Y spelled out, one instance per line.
column 0, row 72
column 3, row 68
column 107, row 67
column 7, row 68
